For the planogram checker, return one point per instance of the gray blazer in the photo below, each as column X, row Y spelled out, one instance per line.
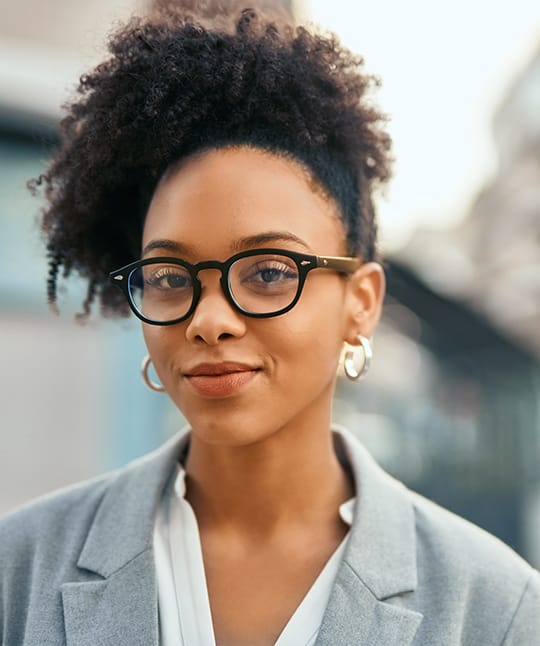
column 77, row 568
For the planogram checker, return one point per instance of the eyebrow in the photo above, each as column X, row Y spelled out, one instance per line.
column 169, row 245
column 238, row 245
column 265, row 238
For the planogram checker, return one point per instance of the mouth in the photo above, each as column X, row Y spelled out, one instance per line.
column 220, row 379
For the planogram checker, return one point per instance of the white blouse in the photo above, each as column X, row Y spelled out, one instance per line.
column 185, row 618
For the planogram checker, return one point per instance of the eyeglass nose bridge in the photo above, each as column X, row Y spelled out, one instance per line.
column 210, row 264
column 223, row 268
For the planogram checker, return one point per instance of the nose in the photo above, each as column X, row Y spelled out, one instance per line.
column 214, row 318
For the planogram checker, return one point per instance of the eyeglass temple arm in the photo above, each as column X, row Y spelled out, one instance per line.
column 344, row 265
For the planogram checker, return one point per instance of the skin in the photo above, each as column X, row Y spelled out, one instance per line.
column 262, row 476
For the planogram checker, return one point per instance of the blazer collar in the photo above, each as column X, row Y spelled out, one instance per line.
column 121, row 608
column 380, row 560
column 382, row 545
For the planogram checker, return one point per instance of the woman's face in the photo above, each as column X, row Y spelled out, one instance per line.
column 210, row 208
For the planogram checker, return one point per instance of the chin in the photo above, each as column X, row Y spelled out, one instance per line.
column 220, row 429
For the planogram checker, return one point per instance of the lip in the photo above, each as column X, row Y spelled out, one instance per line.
column 220, row 379
column 222, row 368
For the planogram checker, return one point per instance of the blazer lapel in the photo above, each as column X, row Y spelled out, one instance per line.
column 379, row 564
column 115, row 602
column 355, row 617
column 120, row 610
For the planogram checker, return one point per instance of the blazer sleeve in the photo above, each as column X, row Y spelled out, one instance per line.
column 524, row 629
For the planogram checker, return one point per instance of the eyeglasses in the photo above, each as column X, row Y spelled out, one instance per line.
column 259, row 283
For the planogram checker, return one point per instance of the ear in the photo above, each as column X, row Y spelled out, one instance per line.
column 365, row 296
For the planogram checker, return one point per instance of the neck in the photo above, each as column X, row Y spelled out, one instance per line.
column 290, row 478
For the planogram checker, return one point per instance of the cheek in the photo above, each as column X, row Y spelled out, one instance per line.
column 319, row 318
column 305, row 367
column 307, row 346
column 151, row 336
column 162, row 344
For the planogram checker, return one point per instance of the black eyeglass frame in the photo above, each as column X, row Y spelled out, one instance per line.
column 304, row 263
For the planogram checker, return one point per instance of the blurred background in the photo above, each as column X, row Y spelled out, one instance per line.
column 452, row 405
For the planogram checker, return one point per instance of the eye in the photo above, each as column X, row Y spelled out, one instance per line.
column 167, row 278
column 271, row 272
column 265, row 276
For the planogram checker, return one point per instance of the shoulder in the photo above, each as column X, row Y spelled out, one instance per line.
column 50, row 523
column 469, row 587
column 447, row 548
column 463, row 571
column 447, row 538
column 40, row 545
column 80, row 534
column 64, row 515
column 53, row 529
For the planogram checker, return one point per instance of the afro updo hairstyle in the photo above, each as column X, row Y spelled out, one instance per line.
column 177, row 83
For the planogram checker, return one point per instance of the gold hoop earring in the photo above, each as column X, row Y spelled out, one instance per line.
column 350, row 360
column 153, row 385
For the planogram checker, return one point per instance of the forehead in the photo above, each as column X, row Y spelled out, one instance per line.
column 212, row 200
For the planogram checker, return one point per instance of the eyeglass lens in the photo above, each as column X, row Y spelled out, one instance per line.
column 261, row 284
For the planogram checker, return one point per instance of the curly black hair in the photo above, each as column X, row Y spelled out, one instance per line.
column 176, row 84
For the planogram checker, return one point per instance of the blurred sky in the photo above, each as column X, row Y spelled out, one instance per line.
column 445, row 67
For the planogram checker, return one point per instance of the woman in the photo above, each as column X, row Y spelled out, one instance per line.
column 217, row 179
